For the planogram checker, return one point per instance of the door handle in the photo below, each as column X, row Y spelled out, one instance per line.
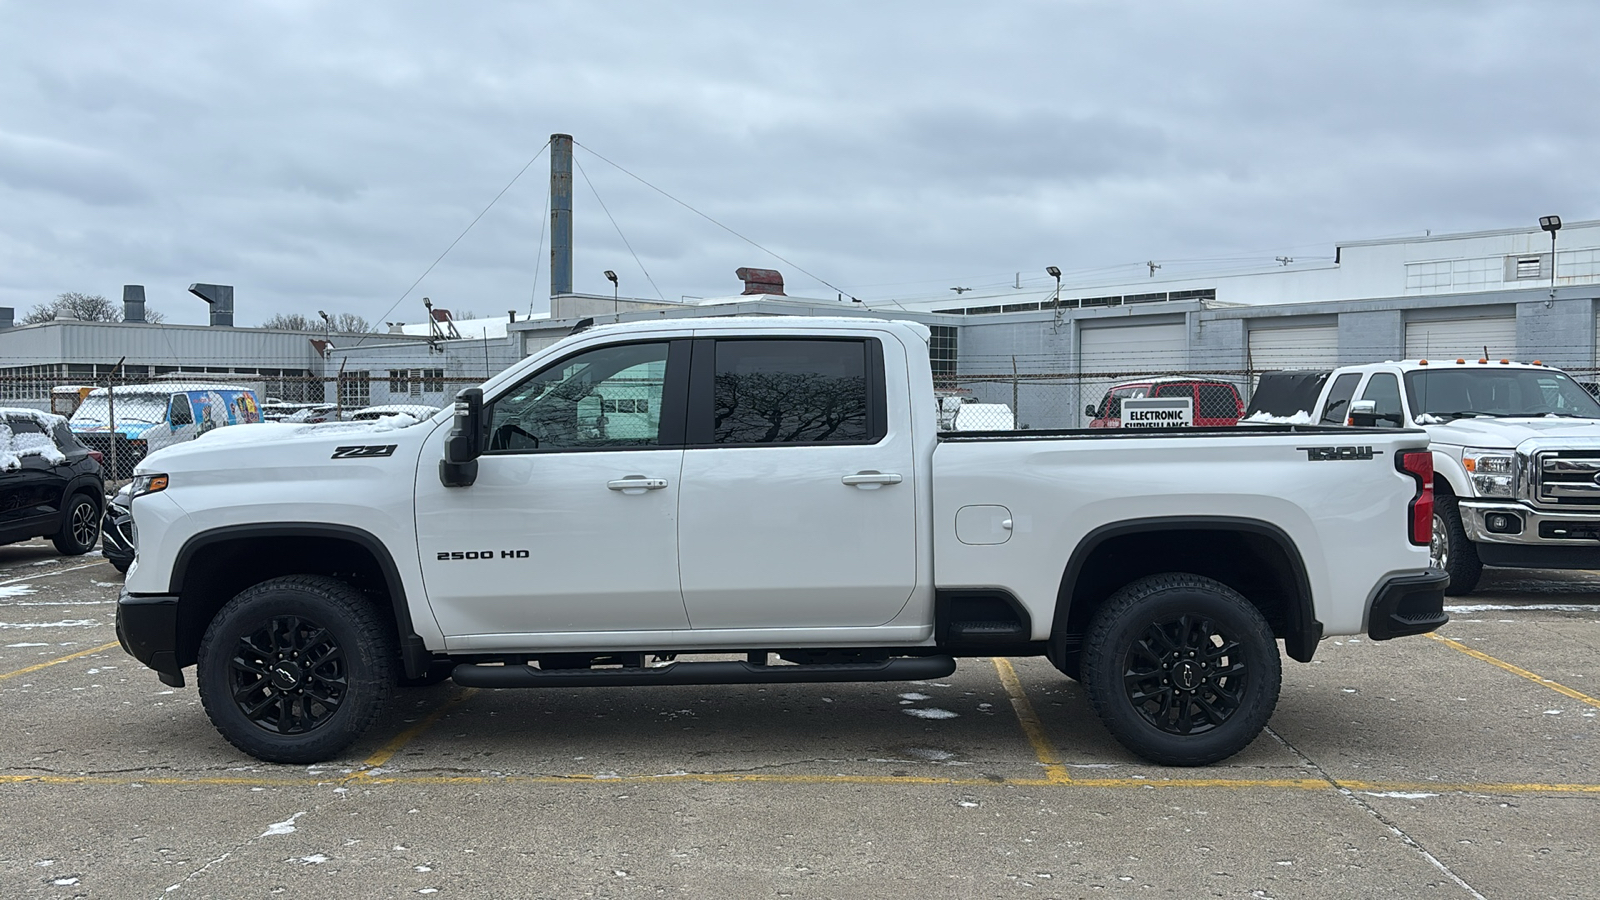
column 637, row 484
column 871, row 479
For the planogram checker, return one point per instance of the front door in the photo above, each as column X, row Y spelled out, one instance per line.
column 572, row 523
column 799, row 498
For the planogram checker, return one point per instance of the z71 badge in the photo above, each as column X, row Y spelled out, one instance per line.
column 1320, row 454
column 367, row 452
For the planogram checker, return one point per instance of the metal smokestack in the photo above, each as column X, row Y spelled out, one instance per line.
column 133, row 303
column 220, row 296
column 560, row 214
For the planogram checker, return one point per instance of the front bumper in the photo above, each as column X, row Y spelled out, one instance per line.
column 116, row 535
column 1541, row 543
column 1408, row 604
column 147, row 628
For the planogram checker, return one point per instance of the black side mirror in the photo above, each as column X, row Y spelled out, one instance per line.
column 459, row 468
column 1090, row 411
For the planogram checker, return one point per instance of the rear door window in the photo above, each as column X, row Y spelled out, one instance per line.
column 1344, row 387
column 809, row 391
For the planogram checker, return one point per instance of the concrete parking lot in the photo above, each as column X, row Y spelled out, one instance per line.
column 1462, row 765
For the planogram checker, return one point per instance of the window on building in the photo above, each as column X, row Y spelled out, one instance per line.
column 942, row 354
column 399, row 381
column 433, row 380
column 781, row 392
column 355, row 390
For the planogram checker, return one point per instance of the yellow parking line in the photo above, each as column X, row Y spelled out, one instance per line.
column 1298, row 784
column 1042, row 748
column 56, row 662
column 387, row 751
column 1519, row 671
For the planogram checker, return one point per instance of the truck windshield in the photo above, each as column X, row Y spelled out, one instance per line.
column 1457, row 393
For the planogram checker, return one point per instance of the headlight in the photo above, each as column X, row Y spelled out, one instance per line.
column 1492, row 472
column 148, row 484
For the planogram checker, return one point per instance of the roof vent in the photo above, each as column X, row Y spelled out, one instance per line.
column 761, row 281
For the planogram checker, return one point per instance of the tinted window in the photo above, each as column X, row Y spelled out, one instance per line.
column 1498, row 392
column 1112, row 407
column 24, row 426
column 1175, row 390
column 1384, row 390
column 1218, row 401
column 607, row 398
column 181, row 413
column 784, row 392
column 1344, row 387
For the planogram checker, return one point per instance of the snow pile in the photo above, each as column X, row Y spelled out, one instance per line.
column 259, row 432
column 1265, row 418
column 13, row 446
column 1430, row 419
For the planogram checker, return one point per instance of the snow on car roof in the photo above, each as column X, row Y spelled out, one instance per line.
column 13, row 446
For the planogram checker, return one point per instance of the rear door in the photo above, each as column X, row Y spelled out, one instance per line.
column 798, row 506
column 30, row 495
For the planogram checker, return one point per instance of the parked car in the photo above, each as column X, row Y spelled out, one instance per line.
column 1215, row 402
column 373, row 413
column 152, row 416
column 50, row 483
column 311, row 415
column 116, row 532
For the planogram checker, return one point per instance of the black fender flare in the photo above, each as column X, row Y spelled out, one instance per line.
column 1302, row 629
column 412, row 650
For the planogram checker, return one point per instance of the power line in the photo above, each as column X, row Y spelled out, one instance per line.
column 614, row 224
column 702, row 215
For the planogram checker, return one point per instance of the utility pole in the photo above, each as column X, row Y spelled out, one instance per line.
column 560, row 214
column 111, row 415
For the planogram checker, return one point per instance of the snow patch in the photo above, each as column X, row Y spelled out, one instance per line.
column 287, row 825
column 930, row 713
column 1265, row 418
column 65, row 623
column 315, row 859
column 1400, row 795
column 13, row 446
column 28, row 644
column 1539, row 607
column 16, row 590
column 915, row 697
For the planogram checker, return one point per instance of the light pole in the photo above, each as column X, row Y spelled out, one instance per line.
column 1055, row 273
column 616, row 307
column 1551, row 224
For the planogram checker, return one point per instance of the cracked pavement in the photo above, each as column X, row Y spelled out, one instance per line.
column 1390, row 770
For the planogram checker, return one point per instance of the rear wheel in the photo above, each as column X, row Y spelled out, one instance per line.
column 295, row 669
column 1450, row 549
column 80, row 526
column 1181, row 669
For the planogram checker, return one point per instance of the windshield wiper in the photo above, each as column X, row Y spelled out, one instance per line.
column 1464, row 414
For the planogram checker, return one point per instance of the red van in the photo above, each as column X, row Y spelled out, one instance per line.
column 1215, row 402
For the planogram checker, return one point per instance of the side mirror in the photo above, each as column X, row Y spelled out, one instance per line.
column 459, row 468
column 1090, row 411
column 1363, row 414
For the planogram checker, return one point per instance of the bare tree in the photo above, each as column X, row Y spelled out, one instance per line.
column 87, row 307
column 342, row 322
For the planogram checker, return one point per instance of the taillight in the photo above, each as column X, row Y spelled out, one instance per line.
column 97, row 456
column 1419, row 465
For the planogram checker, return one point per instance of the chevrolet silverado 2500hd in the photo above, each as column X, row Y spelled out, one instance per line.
column 1516, row 454
column 775, row 490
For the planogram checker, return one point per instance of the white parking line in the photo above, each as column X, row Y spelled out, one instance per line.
column 34, row 575
column 1513, row 607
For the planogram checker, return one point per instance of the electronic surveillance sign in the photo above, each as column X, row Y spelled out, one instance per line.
column 1158, row 412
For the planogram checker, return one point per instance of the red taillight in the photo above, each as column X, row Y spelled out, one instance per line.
column 97, row 456
column 1419, row 465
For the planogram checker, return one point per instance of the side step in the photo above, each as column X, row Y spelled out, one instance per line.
column 905, row 668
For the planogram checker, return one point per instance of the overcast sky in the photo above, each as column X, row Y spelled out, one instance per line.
column 321, row 155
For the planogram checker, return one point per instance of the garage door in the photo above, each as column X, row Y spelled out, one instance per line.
column 1462, row 338
column 1304, row 347
column 1131, row 352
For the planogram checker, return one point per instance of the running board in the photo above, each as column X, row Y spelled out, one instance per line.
column 905, row 668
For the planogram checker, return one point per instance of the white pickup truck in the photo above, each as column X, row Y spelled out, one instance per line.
column 1516, row 454
column 774, row 496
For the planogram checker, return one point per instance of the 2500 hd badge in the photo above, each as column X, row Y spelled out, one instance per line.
column 482, row 554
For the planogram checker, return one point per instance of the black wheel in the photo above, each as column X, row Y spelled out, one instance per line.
column 294, row 669
column 1182, row 670
column 1450, row 550
column 80, row 526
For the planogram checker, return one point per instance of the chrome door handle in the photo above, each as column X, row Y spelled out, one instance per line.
column 871, row 478
column 637, row 483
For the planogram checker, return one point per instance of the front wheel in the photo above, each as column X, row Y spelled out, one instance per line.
column 80, row 527
column 1450, row 549
column 295, row 669
column 1181, row 669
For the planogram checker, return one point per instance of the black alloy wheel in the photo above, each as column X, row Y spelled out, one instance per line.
column 295, row 669
column 80, row 527
column 1181, row 669
column 289, row 675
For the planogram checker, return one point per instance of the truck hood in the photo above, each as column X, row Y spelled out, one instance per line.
column 1508, row 432
column 256, row 452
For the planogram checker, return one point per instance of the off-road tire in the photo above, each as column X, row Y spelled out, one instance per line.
column 1149, row 641
column 80, row 525
column 1461, row 561
column 283, row 713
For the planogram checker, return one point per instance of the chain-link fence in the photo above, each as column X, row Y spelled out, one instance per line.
column 1052, row 401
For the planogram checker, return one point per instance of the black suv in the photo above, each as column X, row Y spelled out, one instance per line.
column 50, row 484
